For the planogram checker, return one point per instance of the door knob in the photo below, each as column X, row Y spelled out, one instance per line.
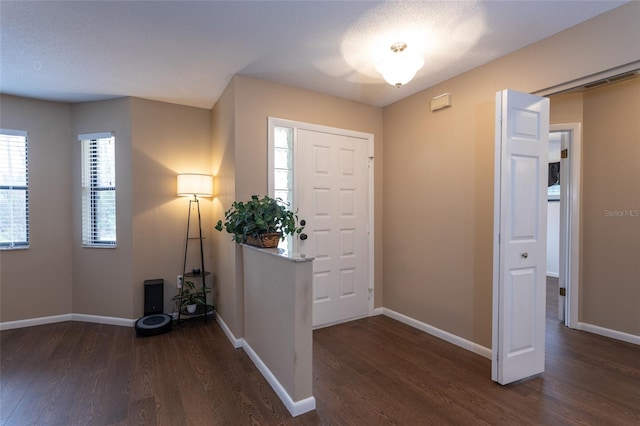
column 303, row 237
column 525, row 255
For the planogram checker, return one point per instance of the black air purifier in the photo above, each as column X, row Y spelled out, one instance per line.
column 155, row 321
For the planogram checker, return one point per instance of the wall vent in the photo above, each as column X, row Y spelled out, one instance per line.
column 614, row 79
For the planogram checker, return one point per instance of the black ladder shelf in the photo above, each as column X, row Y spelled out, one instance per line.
column 203, row 310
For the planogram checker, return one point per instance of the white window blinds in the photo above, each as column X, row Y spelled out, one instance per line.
column 98, row 190
column 14, row 190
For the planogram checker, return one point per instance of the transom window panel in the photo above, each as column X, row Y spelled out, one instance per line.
column 14, row 190
column 98, row 190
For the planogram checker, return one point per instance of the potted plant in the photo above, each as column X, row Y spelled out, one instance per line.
column 190, row 297
column 260, row 221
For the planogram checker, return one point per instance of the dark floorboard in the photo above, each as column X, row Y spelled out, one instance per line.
column 374, row 371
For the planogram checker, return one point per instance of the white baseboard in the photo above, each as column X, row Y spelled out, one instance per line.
column 122, row 322
column 441, row 334
column 237, row 343
column 607, row 332
column 8, row 325
column 376, row 311
column 295, row 407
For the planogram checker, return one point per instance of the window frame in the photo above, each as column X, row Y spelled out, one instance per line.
column 19, row 245
column 90, row 188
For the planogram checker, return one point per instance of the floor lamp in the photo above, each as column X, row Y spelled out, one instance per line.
column 196, row 185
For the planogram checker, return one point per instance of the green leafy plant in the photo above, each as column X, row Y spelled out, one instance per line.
column 190, row 295
column 259, row 216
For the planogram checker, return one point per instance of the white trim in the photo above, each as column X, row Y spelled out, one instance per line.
column 11, row 132
column 572, row 84
column 122, row 322
column 295, row 407
column 497, row 173
column 9, row 325
column 371, row 225
column 237, row 343
column 441, row 334
column 94, row 136
column 376, row 311
column 607, row 332
column 553, row 274
column 570, row 234
column 271, row 124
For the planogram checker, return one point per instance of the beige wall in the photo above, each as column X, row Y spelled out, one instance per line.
column 154, row 142
column 167, row 139
column 438, row 176
column 102, row 276
column 566, row 108
column 37, row 282
column 610, row 243
column 227, row 269
column 246, row 105
column 277, row 320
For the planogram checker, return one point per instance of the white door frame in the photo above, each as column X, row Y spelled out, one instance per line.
column 295, row 125
column 570, row 220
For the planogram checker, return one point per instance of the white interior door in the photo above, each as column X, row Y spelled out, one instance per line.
column 332, row 196
column 520, row 229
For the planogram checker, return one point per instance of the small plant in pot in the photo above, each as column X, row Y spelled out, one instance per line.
column 260, row 221
column 190, row 297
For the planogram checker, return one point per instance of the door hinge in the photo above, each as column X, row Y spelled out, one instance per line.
column 563, row 291
column 564, row 153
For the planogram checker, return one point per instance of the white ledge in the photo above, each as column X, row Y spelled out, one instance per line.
column 286, row 254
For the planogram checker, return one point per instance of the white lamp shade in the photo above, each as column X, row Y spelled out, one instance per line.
column 399, row 68
column 195, row 184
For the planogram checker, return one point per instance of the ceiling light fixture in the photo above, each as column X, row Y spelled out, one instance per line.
column 399, row 67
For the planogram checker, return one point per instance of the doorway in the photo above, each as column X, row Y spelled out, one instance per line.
column 567, row 208
column 326, row 175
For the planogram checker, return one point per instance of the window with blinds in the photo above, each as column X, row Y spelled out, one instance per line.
column 98, row 190
column 14, row 190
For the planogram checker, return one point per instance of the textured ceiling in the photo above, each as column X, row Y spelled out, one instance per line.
column 186, row 52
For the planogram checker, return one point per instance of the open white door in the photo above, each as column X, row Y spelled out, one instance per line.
column 520, row 229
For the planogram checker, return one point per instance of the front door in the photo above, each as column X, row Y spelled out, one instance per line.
column 332, row 194
column 520, row 196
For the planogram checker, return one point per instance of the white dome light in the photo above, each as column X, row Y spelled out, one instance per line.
column 400, row 67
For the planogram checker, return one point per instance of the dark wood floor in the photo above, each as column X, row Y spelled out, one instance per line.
column 369, row 372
